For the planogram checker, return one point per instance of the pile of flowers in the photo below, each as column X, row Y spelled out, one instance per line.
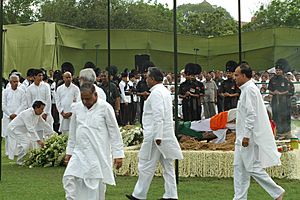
column 54, row 151
column 132, row 135
column 51, row 155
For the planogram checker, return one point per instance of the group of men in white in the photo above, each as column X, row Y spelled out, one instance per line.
column 95, row 143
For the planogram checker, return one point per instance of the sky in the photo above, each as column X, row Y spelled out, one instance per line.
column 248, row 7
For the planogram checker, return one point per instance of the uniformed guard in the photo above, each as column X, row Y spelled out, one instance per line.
column 191, row 91
column 279, row 88
column 229, row 89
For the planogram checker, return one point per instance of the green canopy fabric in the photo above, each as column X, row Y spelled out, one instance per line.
column 48, row 45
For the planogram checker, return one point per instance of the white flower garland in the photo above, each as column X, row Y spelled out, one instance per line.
column 214, row 164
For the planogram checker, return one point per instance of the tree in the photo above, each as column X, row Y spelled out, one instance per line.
column 205, row 20
column 19, row 11
column 62, row 11
column 277, row 14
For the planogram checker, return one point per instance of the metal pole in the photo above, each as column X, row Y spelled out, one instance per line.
column 196, row 54
column 1, row 74
column 240, row 31
column 108, row 47
column 176, row 80
column 97, row 54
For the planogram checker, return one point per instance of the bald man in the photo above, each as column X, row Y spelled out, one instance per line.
column 66, row 94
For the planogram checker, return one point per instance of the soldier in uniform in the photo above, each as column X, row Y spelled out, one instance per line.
column 279, row 88
column 190, row 91
column 229, row 89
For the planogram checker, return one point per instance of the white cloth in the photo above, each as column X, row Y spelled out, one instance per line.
column 101, row 94
column 146, row 172
column 64, row 98
column 204, row 125
column 94, row 138
column 83, row 189
column 13, row 102
column 253, row 123
column 40, row 93
column 124, row 98
column 22, row 130
column 242, row 176
column 158, row 124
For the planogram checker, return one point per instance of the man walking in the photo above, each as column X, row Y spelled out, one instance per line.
column 160, row 143
column 94, row 139
column 255, row 147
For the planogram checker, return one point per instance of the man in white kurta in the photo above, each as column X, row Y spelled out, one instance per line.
column 160, row 143
column 40, row 91
column 13, row 102
column 22, row 133
column 66, row 94
column 255, row 147
column 94, row 139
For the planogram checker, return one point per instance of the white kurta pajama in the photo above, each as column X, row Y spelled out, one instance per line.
column 40, row 93
column 13, row 102
column 253, row 123
column 22, row 132
column 64, row 98
column 94, row 139
column 158, row 124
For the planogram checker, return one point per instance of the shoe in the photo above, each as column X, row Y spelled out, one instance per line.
column 130, row 197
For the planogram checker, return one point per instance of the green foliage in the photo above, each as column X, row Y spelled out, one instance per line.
column 205, row 20
column 51, row 155
column 19, row 11
column 278, row 13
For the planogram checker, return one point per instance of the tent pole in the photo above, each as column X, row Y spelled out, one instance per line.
column 1, row 74
column 176, row 80
column 108, row 48
column 240, row 31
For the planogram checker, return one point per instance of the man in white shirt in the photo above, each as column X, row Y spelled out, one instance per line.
column 22, row 130
column 89, row 76
column 94, row 139
column 40, row 91
column 255, row 147
column 66, row 94
column 160, row 143
column 13, row 102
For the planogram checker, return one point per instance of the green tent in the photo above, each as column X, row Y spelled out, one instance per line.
column 48, row 45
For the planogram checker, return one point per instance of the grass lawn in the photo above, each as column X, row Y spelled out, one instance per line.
column 22, row 183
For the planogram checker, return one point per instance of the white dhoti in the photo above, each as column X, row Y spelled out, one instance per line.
column 83, row 189
column 242, row 174
column 18, row 142
column 146, row 172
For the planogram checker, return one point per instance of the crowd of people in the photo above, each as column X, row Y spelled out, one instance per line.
column 91, row 107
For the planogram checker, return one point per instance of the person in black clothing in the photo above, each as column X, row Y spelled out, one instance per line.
column 220, row 99
column 190, row 91
column 142, row 91
column 112, row 93
column 229, row 90
column 280, row 88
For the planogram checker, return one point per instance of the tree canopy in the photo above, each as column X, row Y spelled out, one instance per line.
column 276, row 14
column 202, row 19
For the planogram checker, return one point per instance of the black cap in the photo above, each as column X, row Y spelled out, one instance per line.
column 231, row 65
column 189, row 69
